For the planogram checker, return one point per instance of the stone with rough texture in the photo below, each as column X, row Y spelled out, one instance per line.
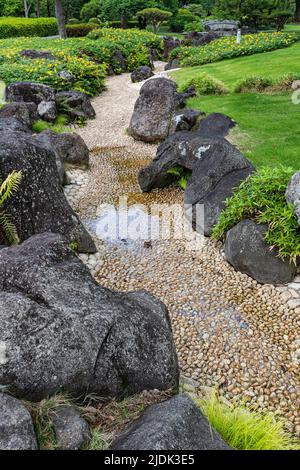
column 170, row 43
column 292, row 194
column 119, row 61
column 220, row 168
column 72, row 432
column 247, row 251
column 142, row 73
column 47, row 111
column 200, row 39
column 216, row 125
column 154, row 110
column 16, row 427
column 176, row 424
column 173, row 64
column 62, row 331
column 13, row 124
column 76, row 104
column 40, row 204
column 26, row 113
column 29, row 92
column 185, row 120
column 33, row 54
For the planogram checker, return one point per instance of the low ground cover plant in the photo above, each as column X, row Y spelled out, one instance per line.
column 86, row 59
column 260, row 84
column 205, row 85
column 227, row 48
column 262, row 198
column 21, row 27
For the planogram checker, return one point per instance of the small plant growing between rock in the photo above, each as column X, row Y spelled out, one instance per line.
column 261, row 197
column 7, row 189
column 182, row 175
column 205, row 85
column 59, row 126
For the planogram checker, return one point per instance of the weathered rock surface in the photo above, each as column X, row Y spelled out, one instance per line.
column 220, row 168
column 119, row 61
column 200, row 39
column 141, row 74
column 154, row 110
column 170, row 43
column 72, row 432
column 47, row 111
column 173, row 64
column 29, row 92
column 75, row 104
column 16, row 427
column 12, row 124
column 61, row 331
column 216, row 125
column 185, row 120
column 40, row 204
column 176, row 424
column 69, row 146
column 33, row 54
column 26, row 113
column 247, row 251
column 292, row 194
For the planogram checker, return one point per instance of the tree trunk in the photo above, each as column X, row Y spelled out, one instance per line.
column 26, row 8
column 37, row 8
column 297, row 13
column 59, row 12
column 48, row 9
column 123, row 21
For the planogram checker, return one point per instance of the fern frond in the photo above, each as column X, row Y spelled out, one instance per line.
column 10, row 186
column 9, row 229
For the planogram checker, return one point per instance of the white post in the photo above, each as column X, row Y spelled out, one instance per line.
column 239, row 36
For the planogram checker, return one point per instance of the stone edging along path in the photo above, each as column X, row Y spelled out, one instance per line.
column 230, row 331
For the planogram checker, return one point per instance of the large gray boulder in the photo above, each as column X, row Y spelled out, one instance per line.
column 29, row 92
column 13, row 124
column 215, row 126
column 16, row 427
column 33, row 54
column 200, row 39
column 292, row 194
column 47, row 111
column 247, row 251
column 154, row 110
column 75, row 104
column 141, row 73
column 220, row 168
column 170, row 43
column 40, row 204
column 176, row 424
column 61, row 331
column 26, row 113
column 71, row 430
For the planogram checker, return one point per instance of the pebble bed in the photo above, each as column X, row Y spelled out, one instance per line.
column 230, row 331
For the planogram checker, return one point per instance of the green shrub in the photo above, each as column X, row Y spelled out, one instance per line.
column 182, row 17
column 262, row 198
column 228, row 48
column 245, row 429
column 181, row 175
column 80, row 30
column 22, row 27
column 253, row 84
column 205, row 85
column 94, row 21
column 117, row 24
column 74, row 21
column 193, row 26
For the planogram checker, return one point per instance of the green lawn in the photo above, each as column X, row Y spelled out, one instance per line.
column 268, row 125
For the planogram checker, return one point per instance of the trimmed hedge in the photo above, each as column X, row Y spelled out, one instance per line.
column 24, row 27
column 80, row 29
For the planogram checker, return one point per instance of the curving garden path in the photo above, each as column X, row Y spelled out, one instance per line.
column 230, row 331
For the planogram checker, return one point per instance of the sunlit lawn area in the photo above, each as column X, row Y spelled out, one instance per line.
column 268, row 124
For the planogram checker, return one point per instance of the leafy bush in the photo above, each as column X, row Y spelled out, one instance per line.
column 227, row 48
column 22, row 27
column 193, row 26
column 73, row 21
column 8, row 188
column 253, row 84
column 80, row 30
column 262, row 198
column 94, row 21
column 205, row 85
column 181, row 175
column 117, row 24
column 245, row 429
column 182, row 17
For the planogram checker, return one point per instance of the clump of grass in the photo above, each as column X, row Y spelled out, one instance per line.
column 261, row 197
column 59, row 126
column 100, row 440
column 205, row 85
column 181, row 175
column 245, row 429
column 41, row 414
column 253, row 84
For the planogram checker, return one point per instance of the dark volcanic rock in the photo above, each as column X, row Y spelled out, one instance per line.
column 62, row 331
column 154, row 110
column 141, row 74
column 72, row 432
column 176, row 424
column 170, row 43
column 40, row 204
column 173, row 64
column 47, row 111
column 29, row 92
column 33, row 54
column 216, row 125
column 75, row 104
column 13, row 125
column 119, row 62
column 201, row 39
column 16, row 427
column 26, row 113
column 292, row 194
column 221, row 167
column 185, row 120
column 247, row 251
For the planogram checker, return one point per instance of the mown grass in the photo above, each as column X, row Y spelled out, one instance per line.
column 267, row 123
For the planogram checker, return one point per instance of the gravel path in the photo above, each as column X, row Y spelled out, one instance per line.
column 230, row 331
